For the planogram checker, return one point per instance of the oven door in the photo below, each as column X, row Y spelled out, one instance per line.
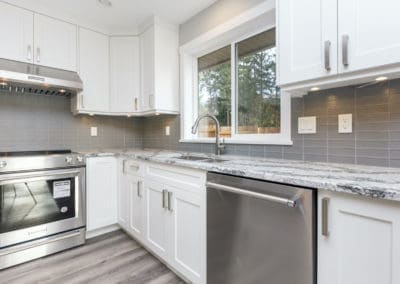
column 39, row 204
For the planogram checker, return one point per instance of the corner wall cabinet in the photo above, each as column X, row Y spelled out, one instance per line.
column 159, row 61
column 328, row 43
column 358, row 240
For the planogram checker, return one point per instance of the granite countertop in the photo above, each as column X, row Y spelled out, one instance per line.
column 374, row 182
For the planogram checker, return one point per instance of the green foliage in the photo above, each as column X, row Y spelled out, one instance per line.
column 259, row 98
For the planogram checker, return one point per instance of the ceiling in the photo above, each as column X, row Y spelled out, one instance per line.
column 122, row 16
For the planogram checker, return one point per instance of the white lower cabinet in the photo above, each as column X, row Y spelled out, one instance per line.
column 166, row 211
column 101, row 181
column 361, row 240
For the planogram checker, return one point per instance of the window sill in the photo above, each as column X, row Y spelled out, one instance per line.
column 283, row 142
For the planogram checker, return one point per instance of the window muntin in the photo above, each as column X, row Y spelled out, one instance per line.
column 258, row 98
column 214, row 91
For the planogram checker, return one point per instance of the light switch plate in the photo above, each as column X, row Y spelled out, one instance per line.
column 345, row 123
column 307, row 125
column 167, row 131
column 93, row 131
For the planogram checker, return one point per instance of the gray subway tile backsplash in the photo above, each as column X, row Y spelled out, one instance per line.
column 375, row 139
column 38, row 122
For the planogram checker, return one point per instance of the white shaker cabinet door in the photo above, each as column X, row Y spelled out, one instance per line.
column 306, row 39
column 55, row 43
column 188, row 210
column 101, row 180
column 136, row 206
column 360, row 243
column 124, row 74
column 157, row 221
column 16, row 30
column 369, row 34
column 94, row 71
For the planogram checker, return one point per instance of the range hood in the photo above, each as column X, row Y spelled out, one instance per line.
column 23, row 77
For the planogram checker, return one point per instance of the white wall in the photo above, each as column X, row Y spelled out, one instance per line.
column 213, row 16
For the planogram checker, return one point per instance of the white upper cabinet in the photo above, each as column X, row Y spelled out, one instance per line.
column 307, row 39
column 332, row 43
column 369, row 32
column 159, row 69
column 16, row 29
column 124, row 73
column 94, row 71
column 55, row 43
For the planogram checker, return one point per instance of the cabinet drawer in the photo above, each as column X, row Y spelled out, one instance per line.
column 176, row 176
column 130, row 166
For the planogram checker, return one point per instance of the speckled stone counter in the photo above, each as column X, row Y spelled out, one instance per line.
column 374, row 182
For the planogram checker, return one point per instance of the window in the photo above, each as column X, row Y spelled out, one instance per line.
column 258, row 97
column 214, row 91
column 237, row 84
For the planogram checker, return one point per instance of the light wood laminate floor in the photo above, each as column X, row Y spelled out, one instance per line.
column 111, row 258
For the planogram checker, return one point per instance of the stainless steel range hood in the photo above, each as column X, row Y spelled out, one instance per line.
column 23, row 77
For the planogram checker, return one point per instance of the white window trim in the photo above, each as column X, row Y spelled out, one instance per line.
column 229, row 33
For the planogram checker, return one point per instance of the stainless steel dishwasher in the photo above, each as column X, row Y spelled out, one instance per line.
column 259, row 232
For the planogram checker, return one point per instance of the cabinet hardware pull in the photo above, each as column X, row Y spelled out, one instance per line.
column 324, row 217
column 136, row 104
column 123, row 166
column 170, row 201
column 327, row 53
column 38, row 54
column 345, row 50
column 29, row 53
column 139, row 190
column 164, row 196
column 82, row 102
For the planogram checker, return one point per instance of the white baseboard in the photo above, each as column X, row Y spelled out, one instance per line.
column 102, row 231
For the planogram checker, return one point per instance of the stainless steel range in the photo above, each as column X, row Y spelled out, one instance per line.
column 42, row 204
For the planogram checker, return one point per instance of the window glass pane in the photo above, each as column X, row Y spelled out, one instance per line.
column 258, row 96
column 214, row 97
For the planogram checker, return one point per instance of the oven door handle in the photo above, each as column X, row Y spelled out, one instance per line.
column 7, row 251
column 22, row 177
column 292, row 203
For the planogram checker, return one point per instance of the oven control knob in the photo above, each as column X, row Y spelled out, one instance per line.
column 68, row 160
column 79, row 159
column 3, row 164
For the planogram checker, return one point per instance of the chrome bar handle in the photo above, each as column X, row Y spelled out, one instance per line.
column 327, row 55
column 136, row 104
column 139, row 189
column 82, row 102
column 324, row 217
column 284, row 201
column 164, row 196
column 345, row 50
column 29, row 53
column 38, row 54
column 170, row 201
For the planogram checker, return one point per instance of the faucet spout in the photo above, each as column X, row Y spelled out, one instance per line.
column 218, row 145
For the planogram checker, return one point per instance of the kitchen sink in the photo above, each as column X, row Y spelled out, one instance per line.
column 193, row 158
column 202, row 159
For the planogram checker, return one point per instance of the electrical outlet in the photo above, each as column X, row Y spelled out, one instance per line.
column 167, row 131
column 345, row 123
column 307, row 125
column 93, row 131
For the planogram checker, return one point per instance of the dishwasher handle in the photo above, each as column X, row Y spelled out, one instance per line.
column 292, row 203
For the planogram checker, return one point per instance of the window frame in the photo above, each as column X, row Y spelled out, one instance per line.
column 189, row 54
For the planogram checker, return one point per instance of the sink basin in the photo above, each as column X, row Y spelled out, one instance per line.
column 193, row 158
column 215, row 160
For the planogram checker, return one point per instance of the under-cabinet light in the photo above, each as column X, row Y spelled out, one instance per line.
column 381, row 78
column 313, row 89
